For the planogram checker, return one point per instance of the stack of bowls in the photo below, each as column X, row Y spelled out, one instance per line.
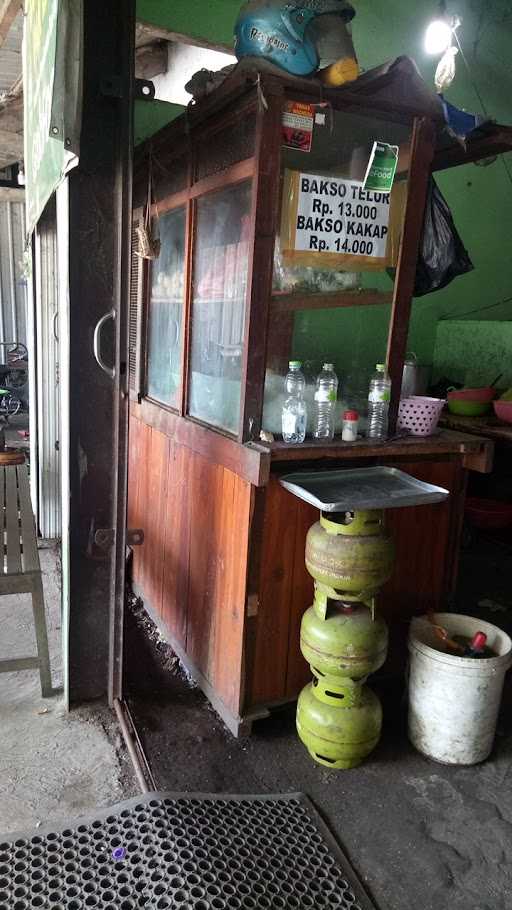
column 503, row 410
column 471, row 402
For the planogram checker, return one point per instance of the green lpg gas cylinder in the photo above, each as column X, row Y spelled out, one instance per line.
column 340, row 639
column 339, row 725
column 350, row 551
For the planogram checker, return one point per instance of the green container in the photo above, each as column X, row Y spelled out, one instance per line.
column 339, row 725
column 338, row 643
column 352, row 554
column 468, row 408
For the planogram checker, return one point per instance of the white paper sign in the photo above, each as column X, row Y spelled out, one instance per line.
column 340, row 216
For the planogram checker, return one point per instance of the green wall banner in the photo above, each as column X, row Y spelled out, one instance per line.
column 52, row 84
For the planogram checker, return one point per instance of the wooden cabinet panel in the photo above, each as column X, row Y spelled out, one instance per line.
column 230, row 575
column 426, row 540
column 135, row 440
column 176, row 533
column 152, row 502
column 284, row 590
column 298, row 672
column 198, row 518
column 269, row 643
column 160, row 458
column 192, row 568
column 204, row 502
column 139, row 441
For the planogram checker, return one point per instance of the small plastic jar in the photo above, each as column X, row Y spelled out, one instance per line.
column 350, row 426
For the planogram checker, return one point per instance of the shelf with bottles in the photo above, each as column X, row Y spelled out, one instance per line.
column 259, row 283
column 353, row 339
column 294, row 414
column 351, row 394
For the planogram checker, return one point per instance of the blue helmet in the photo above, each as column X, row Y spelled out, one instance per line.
column 281, row 31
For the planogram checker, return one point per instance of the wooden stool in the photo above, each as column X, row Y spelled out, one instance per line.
column 20, row 569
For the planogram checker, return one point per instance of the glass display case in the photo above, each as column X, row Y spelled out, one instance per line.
column 273, row 247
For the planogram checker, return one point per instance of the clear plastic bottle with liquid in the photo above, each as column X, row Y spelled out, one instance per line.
column 294, row 413
column 378, row 403
column 326, row 395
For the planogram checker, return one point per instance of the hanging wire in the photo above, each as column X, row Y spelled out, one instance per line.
column 478, row 94
column 480, row 309
column 473, row 83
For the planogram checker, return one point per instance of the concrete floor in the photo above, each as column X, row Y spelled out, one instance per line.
column 53, row 765
column 419, row 834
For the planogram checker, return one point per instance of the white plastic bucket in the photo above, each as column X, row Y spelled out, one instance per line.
column 454, row 701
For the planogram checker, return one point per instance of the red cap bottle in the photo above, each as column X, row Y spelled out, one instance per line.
column 477, row 646
column 478, row 642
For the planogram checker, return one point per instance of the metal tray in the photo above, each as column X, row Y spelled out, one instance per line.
column 361, row 488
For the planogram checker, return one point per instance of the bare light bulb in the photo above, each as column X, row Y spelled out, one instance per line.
column 438, row 37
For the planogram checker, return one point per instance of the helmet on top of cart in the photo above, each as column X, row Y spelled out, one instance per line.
column 283, row 31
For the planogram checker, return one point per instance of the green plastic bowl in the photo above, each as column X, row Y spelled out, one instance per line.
column 468, row 408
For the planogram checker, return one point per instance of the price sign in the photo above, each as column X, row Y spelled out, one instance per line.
column 341, row 217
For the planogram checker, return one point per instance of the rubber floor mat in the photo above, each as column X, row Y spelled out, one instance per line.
column 183, row 851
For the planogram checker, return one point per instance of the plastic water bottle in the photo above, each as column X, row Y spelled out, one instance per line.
column 378, row 403
column 326, row 395
column 294, row 414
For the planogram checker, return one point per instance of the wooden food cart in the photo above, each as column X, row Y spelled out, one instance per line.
column 211, row 332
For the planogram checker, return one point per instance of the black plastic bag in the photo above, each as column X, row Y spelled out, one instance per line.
column 442, row 254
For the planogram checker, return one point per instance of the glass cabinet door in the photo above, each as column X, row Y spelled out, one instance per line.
column 336, row 250
column 218, row 306
column 166, row 311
